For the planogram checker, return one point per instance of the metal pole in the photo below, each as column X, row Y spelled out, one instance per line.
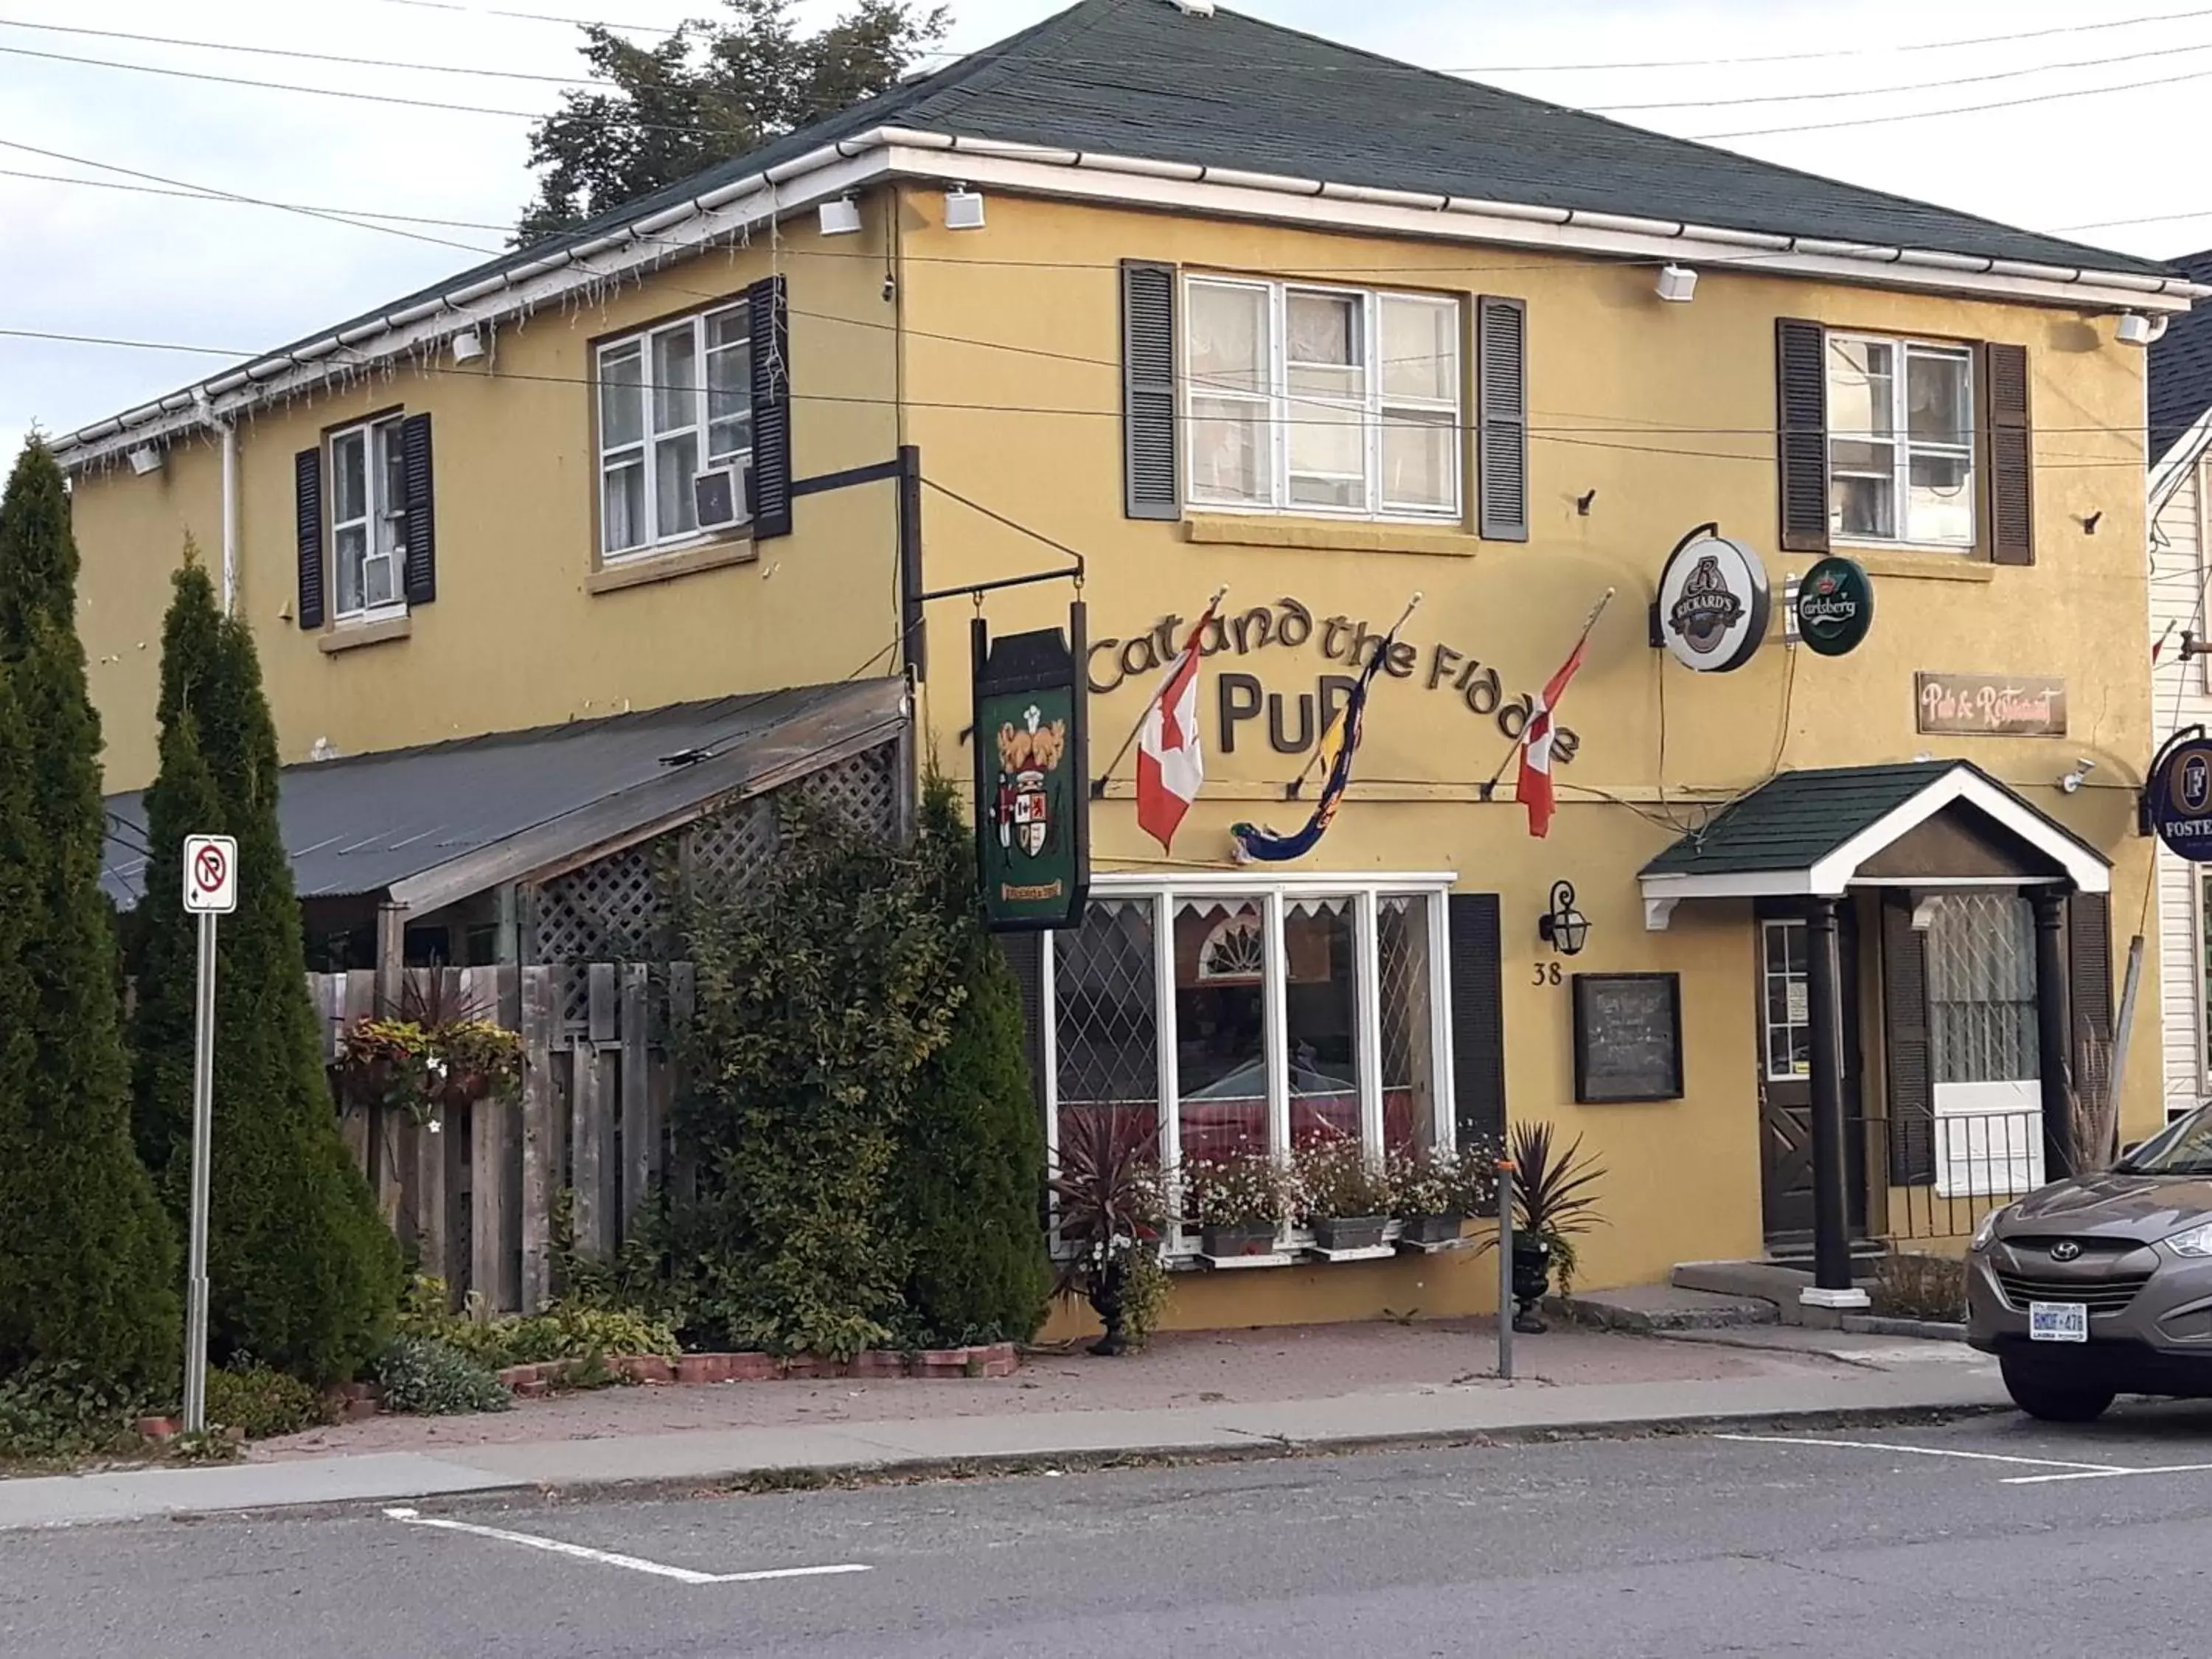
column 1505, row 1269
column 2118, row 1073
column 2052, row 1006
column 1832, row 1247
column 196, row 1282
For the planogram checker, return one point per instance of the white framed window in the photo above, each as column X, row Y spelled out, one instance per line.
column 1223, row 1015
column 1901, row 426
column 675, row 426
column 1300, row 398
column 1786, row 973
column 368, row 522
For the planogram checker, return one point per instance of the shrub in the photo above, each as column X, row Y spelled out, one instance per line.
column 263, row 1403
column 52, row 1411
column 567, row 1330
column 424, row 1376
column 1908, row 1286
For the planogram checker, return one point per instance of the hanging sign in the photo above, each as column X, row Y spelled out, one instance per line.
column 1713, row 603
column 1835, row 606
column 2179, row 798
column 1032, row 805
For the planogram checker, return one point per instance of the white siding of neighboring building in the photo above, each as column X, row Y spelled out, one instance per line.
column 2183, row 697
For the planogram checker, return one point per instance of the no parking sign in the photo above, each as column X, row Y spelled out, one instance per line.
column 210, row 875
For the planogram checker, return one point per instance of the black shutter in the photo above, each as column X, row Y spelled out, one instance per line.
column 2089, row 951
column 768, row 306
column 1477, row 1019
column 1905, row 1041
column 1800, row 440
column 307, row 498
column 1502, row 436
column 1149, row 476
column 420, row 582
column 2011, row 491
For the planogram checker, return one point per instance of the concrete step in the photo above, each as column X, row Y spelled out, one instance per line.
column 1775, row 1283
column 1665, row 1308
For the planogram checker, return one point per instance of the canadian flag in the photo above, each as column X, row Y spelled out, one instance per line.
column 1170, row 764
column 1534, row 786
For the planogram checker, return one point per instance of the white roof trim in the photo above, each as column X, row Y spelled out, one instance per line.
column 1830, row 875
column 791, row 187
column 2171, row 468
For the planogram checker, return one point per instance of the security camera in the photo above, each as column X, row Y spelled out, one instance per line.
column 2073, row 781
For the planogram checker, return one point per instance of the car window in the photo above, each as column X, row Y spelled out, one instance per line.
column 2184, row 1148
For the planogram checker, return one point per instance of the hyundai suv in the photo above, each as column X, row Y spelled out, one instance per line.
column 2102, row 1285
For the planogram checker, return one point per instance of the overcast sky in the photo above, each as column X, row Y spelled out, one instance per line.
column 77, row 258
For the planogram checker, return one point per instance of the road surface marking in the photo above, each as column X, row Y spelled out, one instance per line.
column 2104, row 1474
column 1938, row 1451
column 611, row 1559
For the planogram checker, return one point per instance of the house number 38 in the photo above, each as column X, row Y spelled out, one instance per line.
column 1548, row 972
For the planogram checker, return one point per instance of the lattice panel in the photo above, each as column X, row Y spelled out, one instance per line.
column 863, row 791
column 608, row 911
column 733, row 849
column 1105, row 1008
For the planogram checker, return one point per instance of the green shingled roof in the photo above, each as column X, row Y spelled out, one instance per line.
column 1800, row 817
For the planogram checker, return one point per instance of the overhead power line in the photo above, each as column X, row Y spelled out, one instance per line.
column 309, row 56
column 1957, row 109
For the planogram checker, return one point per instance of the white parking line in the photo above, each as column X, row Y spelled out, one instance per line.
column 2104, row 1474
column 611, row 1559
column 2081, row 1471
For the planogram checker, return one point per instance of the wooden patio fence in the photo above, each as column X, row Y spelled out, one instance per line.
column 475, row 1190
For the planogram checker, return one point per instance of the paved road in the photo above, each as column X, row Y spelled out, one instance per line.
column 1985, row 1536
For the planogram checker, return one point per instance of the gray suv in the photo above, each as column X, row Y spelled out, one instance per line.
column 2102, row 1285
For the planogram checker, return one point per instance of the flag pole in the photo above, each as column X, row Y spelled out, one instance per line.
column 1582, row 639
column 1098, row 783
column 1290, row 789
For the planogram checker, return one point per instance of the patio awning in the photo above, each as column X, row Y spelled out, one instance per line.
column 1922, row 824
column 427, row 827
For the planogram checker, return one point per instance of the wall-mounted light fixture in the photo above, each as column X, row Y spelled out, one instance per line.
column 468, row 346
column 964, row 208
column 841, row 217
column 1563, row 927
column 145, row 458
column 1678, row 283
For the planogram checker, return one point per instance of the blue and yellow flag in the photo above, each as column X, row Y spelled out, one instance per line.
column 1333, row 758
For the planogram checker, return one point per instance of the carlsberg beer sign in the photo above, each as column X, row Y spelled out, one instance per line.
column 1835, row 606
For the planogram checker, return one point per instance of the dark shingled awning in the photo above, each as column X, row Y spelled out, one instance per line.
column 431, row 825
column 1809, row 832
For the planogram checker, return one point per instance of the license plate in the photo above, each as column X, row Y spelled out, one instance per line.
column 2058, row 1322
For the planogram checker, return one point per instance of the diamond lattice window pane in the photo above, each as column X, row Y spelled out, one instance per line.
column 1409, row 1070
column 1106, row 1013
column 1981, row 988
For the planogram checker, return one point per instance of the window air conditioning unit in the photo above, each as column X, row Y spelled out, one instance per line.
column 718, row 494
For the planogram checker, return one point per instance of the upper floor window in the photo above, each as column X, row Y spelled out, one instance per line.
column 676, row 431
column 369, row 520
column 1900, row 442
column 1329, row 400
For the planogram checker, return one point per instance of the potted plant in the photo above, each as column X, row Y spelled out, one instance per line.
column 1552, row 1205
column 1237, row 1201
column 1437, row 1191
column 1345, row 1199
column 1111, row 1210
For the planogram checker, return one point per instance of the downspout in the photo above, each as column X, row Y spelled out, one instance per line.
column 227, row 432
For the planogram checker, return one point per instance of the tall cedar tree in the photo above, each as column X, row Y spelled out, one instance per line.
column 707, row 92
column 971, row 1159
column 303, row 1273
column 88, row 1272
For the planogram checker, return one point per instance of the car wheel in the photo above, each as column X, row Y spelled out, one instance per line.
column 2035, row 1392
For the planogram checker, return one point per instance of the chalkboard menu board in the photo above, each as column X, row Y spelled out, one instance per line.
column 1628, row 1037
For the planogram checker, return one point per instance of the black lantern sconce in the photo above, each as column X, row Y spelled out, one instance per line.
column 1565, row 928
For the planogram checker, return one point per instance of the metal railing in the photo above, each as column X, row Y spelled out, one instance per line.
column 1934, row 1176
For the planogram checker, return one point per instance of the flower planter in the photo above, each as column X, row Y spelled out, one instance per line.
column 1239, row 1238
column 1358, row 1232
column 1532, row 1278
column 1432, row 1228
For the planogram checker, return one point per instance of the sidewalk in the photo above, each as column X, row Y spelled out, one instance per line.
column 1209, row 1393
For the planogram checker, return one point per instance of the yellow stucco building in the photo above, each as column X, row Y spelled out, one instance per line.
column 1213, row 304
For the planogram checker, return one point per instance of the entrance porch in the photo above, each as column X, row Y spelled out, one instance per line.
column 1932, row 965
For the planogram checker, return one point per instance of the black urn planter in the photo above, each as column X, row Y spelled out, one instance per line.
column 1107, row 1295
column 1349, row 1232
column 1532, row 1278
column 1238, row 1238
column 1432, row 1229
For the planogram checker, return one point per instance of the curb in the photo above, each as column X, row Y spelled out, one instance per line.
column 1931, row 1330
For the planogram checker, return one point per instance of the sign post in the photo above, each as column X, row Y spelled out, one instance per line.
column 210, row 890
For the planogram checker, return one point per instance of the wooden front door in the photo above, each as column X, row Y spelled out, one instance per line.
column 1786, row 1074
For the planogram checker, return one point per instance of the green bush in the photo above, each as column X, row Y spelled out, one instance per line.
column 971, row 1165
column 567, row 1330
column 263, row 1403
column 303, row 1270
column 53, row 1411
column 88, row 1264
column 423, row 1377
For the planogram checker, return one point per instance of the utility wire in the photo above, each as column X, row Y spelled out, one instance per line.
column 307, row 56
column 1958, row 109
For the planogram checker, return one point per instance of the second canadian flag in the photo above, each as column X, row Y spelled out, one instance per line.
column 1171, row 764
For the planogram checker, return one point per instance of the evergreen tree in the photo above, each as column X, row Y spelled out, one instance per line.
column 972, row 1151
column 303, row 1273
column 88, row 1271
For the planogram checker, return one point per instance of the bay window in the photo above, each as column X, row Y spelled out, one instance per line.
column 1330, row 400
column 1900, row 442
column 1227, row 1017
column 675, row 411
